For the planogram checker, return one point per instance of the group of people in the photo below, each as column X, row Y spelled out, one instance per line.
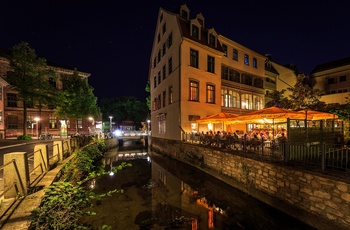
column 223, row 138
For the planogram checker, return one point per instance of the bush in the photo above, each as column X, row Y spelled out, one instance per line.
column 24, row 137
column 64, row 202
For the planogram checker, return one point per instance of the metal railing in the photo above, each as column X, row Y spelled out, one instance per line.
column 325, row 156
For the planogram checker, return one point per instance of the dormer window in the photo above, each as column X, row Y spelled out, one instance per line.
column 195, row 31
column 212, row 40
column 184, row 14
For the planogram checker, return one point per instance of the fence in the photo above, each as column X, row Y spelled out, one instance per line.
column 22, row 171
column 326, row 156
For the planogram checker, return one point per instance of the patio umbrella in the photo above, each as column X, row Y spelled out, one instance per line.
column 217, row 118
column 318, row 115
column 269, row 115
column 221, row 117
column 274, row 113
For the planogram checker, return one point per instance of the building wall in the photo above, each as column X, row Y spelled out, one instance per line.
column 44, row 115
column 333, row 80
column 326, row 197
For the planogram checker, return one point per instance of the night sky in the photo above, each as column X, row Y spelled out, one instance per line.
column 112, row 40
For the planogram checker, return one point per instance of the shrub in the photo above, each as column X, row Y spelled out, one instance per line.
column 24, row 137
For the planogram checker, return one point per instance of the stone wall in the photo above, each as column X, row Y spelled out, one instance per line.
column 318, row 194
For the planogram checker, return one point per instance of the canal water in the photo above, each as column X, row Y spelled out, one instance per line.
column 161, row 193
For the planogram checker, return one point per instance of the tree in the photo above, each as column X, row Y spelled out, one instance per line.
column 303, row 95
column 148, row 99
column 124, row 108
column 27, row 77
column 277, row 99
column 76, row 98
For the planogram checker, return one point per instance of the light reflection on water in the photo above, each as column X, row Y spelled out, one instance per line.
column 161, row 193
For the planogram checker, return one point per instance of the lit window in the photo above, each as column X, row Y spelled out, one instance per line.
column 194, row 91
column 170, row 94
column 210, row 94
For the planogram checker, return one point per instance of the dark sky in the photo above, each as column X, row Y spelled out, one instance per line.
column 112, row 39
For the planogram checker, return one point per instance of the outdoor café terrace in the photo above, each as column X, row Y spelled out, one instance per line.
column 305, row 137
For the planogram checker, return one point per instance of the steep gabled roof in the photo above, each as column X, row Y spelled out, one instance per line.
column 331, row 65
column 185, row 26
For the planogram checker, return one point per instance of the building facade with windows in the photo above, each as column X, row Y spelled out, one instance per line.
column 196, row 72
column 333, row 79
column 43, row 121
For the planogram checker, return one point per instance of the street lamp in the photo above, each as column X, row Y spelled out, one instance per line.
column 148, row 121
column 110, row 123
column 37, row 119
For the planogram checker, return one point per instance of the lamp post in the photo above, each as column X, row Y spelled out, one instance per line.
column 148, row 121
column 37, row 119
column 110, row 123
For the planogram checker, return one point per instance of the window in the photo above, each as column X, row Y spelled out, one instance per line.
column 159, row 56
column 164, row 72
column 53, row 122
column 230, row 98
column 80, row 123
column 164, row 28
column 164, row 49
column 194, row 90
column 255, row 63
column 170, row 39
column 211, row 64
column 52, row 82
column 162, row 123
column 195, row 31
column 0, row 117
column 246, row 59
column 170, row 94
column 159, row 77
column 161, row 18
column 164, row 98
column 170, row 65
column 184, row 14
column 212, row 40
column 331, row 80
column 235, row 55
column 12, row 122
column 258, row 102
column 154, row 62
column 30, row 104
column 159, row 102
column 155, row 82
column 342, row 78
column 247, row 79
column 224, row 47
column 158, row 38
column 194, row 58
column 12, row 100
column 247, row 101
column 210, row 93
column 29, row 122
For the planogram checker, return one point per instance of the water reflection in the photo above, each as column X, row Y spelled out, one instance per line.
column 162, row 193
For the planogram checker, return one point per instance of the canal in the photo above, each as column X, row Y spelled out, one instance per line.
column 161, row 193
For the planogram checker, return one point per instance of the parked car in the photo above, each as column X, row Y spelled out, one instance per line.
column 45, row 136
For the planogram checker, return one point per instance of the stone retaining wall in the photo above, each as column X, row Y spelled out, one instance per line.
column 320, row 195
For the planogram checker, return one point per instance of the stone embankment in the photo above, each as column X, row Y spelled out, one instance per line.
column 315, row 198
